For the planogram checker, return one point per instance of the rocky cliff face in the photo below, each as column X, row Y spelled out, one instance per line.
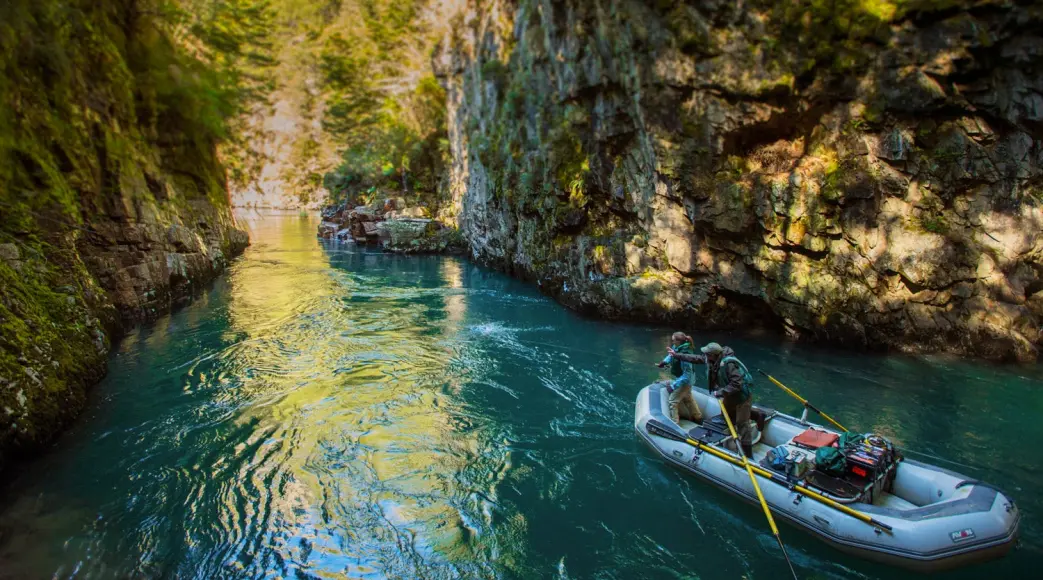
column 393, row 225
column 113, row 206
column 295, row 152
column 859, row 172
column 64, row 301
column 150, row 257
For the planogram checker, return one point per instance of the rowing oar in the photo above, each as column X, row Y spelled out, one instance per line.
column 803, row 401
column 757, row 488
column 656, row 428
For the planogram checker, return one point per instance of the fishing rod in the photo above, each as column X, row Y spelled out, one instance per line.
column 590, row 352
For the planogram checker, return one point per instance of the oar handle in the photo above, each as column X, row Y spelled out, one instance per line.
column 757, row 489
column 803, row 401
column 753, row 480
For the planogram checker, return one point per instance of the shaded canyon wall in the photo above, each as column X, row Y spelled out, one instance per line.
column 113, row 202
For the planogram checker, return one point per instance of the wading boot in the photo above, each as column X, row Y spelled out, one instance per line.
column 747, row 450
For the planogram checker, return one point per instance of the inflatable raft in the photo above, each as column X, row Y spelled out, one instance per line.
column 904, row 513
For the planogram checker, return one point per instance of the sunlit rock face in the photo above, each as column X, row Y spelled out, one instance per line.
column 294, row 153
column 154, row 257
column 868, row 176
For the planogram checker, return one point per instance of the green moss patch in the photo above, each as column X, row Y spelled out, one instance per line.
column 51, row 345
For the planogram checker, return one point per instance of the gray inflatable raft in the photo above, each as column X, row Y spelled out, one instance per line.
column 937, row 519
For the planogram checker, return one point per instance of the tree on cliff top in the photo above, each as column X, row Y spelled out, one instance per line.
column 234, row 37
column 383, row 104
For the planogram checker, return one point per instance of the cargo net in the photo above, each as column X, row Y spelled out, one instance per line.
column 850, row 466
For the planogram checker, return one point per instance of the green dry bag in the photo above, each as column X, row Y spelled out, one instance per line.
column 851, row 439
column 830, row 460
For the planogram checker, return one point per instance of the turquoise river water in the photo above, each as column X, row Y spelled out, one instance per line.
column 325, row 411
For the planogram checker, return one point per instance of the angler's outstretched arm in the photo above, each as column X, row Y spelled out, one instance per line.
column 696, row 359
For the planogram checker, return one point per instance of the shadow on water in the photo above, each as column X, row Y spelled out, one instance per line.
column 327, row 411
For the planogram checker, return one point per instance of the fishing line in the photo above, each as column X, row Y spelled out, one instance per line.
column 590, row 352
column 563, row 347
column 935, row 457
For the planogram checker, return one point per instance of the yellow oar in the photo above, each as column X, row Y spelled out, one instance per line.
column 803, row 401
column 757, row 488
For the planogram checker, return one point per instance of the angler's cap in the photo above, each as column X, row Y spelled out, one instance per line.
column 712, row 348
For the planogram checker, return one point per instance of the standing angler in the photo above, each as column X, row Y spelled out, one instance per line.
column 682, row 404
column 727, row 378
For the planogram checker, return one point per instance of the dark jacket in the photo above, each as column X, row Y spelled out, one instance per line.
column 732, row 375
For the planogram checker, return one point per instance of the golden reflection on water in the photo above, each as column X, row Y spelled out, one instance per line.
column 355, row 435
column 455, row 302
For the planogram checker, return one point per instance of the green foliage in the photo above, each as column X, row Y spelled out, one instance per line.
column 391, row 152
column 936, row 224
column 831, row 186
column 495, row 72
column 234, row 41
column 931, row 214
column 829, row 33
column 569, row 161
column 237, row 45
column 689, row 29
column 855, row 126
column 354, row 105
column 93, row 89
column 383, row 105
column 49, row 332
column 1034, row 193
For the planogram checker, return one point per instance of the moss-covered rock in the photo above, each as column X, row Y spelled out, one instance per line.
column 114, row 201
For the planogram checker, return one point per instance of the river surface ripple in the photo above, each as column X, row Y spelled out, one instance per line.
column 323, row 411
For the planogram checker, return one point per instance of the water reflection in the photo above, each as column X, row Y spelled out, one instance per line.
column 298, row 417
column 387, row 478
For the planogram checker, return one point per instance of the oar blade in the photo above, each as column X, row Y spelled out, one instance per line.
column 656, row 428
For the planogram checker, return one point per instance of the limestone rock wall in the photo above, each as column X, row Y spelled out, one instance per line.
column 394, row 225
column 149, row 259
column 861, row 173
